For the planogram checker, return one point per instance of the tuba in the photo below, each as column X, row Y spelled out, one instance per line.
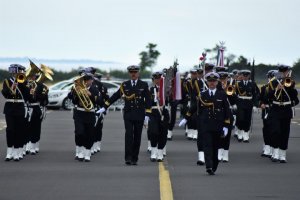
column 47, row 73
column 33, row 70
column 81, row 92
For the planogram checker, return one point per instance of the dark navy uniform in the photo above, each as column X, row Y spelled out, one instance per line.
column 137, row 104
column 99, row 126
column 267, row 123
column 84, row 121
column 214, row 109
column 223, row 153
column 36, row 114
column 247, row 98
column 158, row 126
column 282, row 102
column 15, row 111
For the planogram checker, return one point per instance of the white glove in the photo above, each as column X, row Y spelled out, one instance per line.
column 225, row 131
column 255, row 109
column 234, row 107
column 146, row 120
column 101, row 110
column 182, row 122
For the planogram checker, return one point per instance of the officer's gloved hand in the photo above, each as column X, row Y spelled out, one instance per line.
column 225, row 131
column 101, row 110
column 146, row 120
column 234, row 107
column 182, row 122
column 255, row 109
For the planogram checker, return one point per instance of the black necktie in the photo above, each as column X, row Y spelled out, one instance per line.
column 211, row 93
column 133, row 83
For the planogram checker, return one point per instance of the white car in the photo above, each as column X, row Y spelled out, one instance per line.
column 58, row 93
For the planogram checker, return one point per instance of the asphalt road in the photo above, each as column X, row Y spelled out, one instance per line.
column 54, row 174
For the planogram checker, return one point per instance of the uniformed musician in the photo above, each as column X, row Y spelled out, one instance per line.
column 136, row 112
column 282, row 96
column 17, row 95
column 267, row 123
column 99, row 126
column 158, row 124
column 247, row 100
column 84, row 97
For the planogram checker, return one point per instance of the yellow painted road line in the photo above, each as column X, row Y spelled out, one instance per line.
column 166, row 192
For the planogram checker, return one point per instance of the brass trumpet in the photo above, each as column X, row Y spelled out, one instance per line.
column 81, row 92
column 229, row 90
column 287, row 82
column 20, row 77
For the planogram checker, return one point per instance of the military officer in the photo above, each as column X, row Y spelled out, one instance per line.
column 136, row 112
column 214, row 108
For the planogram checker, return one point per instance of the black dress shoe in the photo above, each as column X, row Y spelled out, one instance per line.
column 210, row 171
column 246, row 141
column 8, row 159
column 80, row 159
column 76, row 158
column 199, row 162
column 128, row 162
column 240, row 140
column 282, row 161
column 170, row 139
column 134, row 162
column 152, row 159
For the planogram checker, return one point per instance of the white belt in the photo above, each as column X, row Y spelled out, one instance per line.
column 245, row 97
column 282, row 103
column 156, row 107
column 15, row 100
column 82, row 109
column 34, row 104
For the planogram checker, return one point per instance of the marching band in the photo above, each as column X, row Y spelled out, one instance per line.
column 214, row 104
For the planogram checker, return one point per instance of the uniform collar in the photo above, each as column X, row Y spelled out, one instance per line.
column 213, row 91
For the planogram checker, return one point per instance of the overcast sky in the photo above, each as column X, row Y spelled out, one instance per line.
column 117, row 30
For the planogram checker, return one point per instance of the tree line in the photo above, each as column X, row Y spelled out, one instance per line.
column 149, row 57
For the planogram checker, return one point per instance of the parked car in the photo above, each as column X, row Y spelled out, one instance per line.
column 58, row 93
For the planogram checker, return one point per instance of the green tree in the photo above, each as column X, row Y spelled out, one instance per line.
column 149, row 57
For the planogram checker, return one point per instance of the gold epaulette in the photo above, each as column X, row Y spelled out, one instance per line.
column 148, row 110
column 107, row 103
column 227, row 121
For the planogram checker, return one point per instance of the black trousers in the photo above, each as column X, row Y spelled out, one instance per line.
column 15, row 131
column 192, row 122
column 243, row 118
column 34, row 127
column 225, row 141
column 211, row 142
column 158, row 131
column 173, row 111
column 84, row 133
column 199, row 123
column 267, row 131
column 98, row 130
column 280, row 132
column 133, row 133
